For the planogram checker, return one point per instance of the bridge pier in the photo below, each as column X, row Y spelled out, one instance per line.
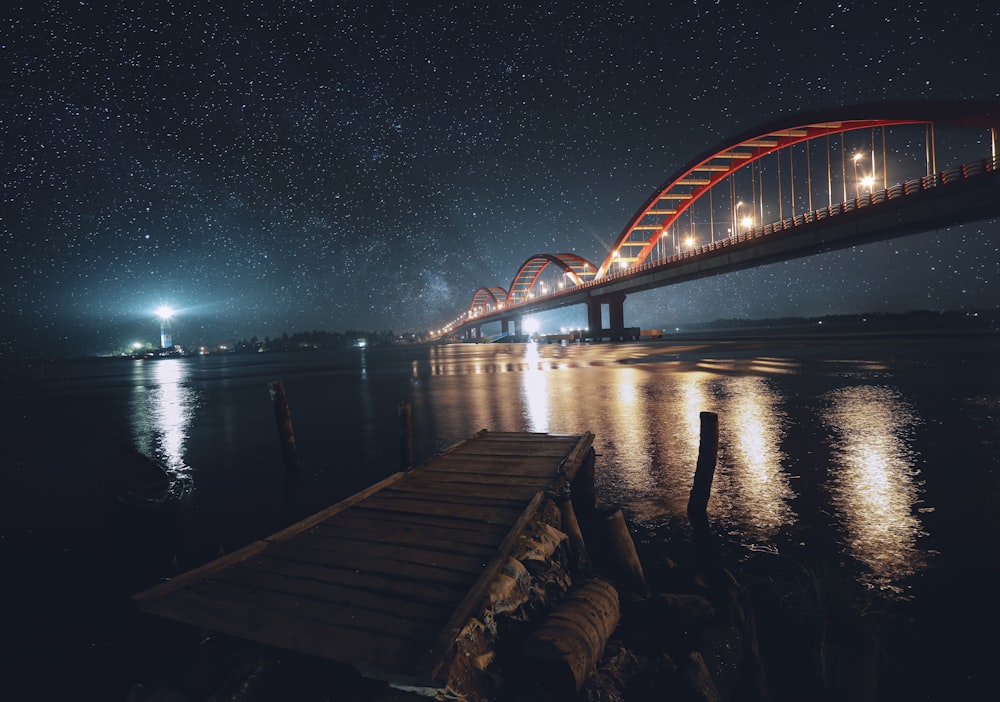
column 511, row 326
column 616, row 316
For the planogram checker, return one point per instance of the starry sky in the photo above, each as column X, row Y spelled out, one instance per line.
column 282, row 166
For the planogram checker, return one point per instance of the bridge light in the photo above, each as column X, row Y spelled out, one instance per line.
column 857, row 184
column 868, row 182
column 747, row 223
column 689, row 242
column 736, row 215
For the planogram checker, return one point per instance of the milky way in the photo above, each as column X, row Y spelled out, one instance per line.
column 269, row 167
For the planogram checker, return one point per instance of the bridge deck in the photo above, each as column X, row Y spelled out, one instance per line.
column 384, row 579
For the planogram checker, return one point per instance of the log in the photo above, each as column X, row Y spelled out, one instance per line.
column 564, row 650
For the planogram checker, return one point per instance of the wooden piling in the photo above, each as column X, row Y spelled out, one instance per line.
column 622, row 560
column 283, row 419
column 571, row 527
column 708, row 449
column 406, row 435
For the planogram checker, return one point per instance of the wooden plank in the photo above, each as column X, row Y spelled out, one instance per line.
column 433, row 662
column 335, row 509
column 485, row 513
column 441, row 541
column 362, row 552
column 195, row 574
column 472, row 477
column 416, row 520
column 336, row 594
column 517, row 448
column 358, row 528
column 438, row 574
column 571, row 465
column 499, row 498
column 389, row 585
column 432, row 486
column 531, row 466
column 354, row 618
column 378, row 655
column 258, row 546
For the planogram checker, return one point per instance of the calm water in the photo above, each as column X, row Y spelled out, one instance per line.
column 882, row 445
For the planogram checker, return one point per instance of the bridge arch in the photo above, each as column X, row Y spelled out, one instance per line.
column 487, row 300
column 578, row 269
column 697, row 177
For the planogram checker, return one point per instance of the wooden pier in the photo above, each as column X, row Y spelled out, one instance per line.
column 384, row 580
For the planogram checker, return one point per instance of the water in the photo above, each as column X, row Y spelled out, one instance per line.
column 879, row 448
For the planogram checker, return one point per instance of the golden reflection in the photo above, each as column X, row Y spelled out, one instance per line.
column 751, row 429
column 629, row 420
column 695, row 399
column 873, row 480
column 162, row 409
column 534, row 390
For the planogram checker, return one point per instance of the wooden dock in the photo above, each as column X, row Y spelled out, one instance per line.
column 385, row 579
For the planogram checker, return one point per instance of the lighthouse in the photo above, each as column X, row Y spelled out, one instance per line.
column 165, row 313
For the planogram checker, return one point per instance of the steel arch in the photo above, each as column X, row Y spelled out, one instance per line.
column 487, row 300
column 577, row 268
column 680, row 191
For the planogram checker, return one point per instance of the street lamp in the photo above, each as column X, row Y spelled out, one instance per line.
column 736, row 216
column 857, row 184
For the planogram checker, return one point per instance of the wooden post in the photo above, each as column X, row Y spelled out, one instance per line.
column 622, row 561
column 406, row 437
column 704, row 473
column 283, row 418
column 571, row 527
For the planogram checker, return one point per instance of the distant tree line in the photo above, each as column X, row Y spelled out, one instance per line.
column 310, row 340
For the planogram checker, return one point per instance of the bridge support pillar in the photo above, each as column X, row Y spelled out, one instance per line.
column 505, row 326
column 594, row 318
column 616, row 316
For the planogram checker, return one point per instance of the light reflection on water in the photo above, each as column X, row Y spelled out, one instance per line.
column 163, row 405
column 753, row 486
column 644, row 411
column 535, row 390
column 873, row 481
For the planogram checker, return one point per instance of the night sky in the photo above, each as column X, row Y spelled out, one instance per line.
column 269, row 167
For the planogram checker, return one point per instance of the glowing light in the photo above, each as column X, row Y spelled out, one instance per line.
column 165, row 312
column 531, row 325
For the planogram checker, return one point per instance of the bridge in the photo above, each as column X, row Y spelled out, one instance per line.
column 798, row 186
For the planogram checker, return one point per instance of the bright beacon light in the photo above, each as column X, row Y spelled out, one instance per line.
column 164, row 312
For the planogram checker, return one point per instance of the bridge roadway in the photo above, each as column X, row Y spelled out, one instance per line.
column 964, row 194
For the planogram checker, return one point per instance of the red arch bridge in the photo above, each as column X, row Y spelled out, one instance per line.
column 798, row 186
